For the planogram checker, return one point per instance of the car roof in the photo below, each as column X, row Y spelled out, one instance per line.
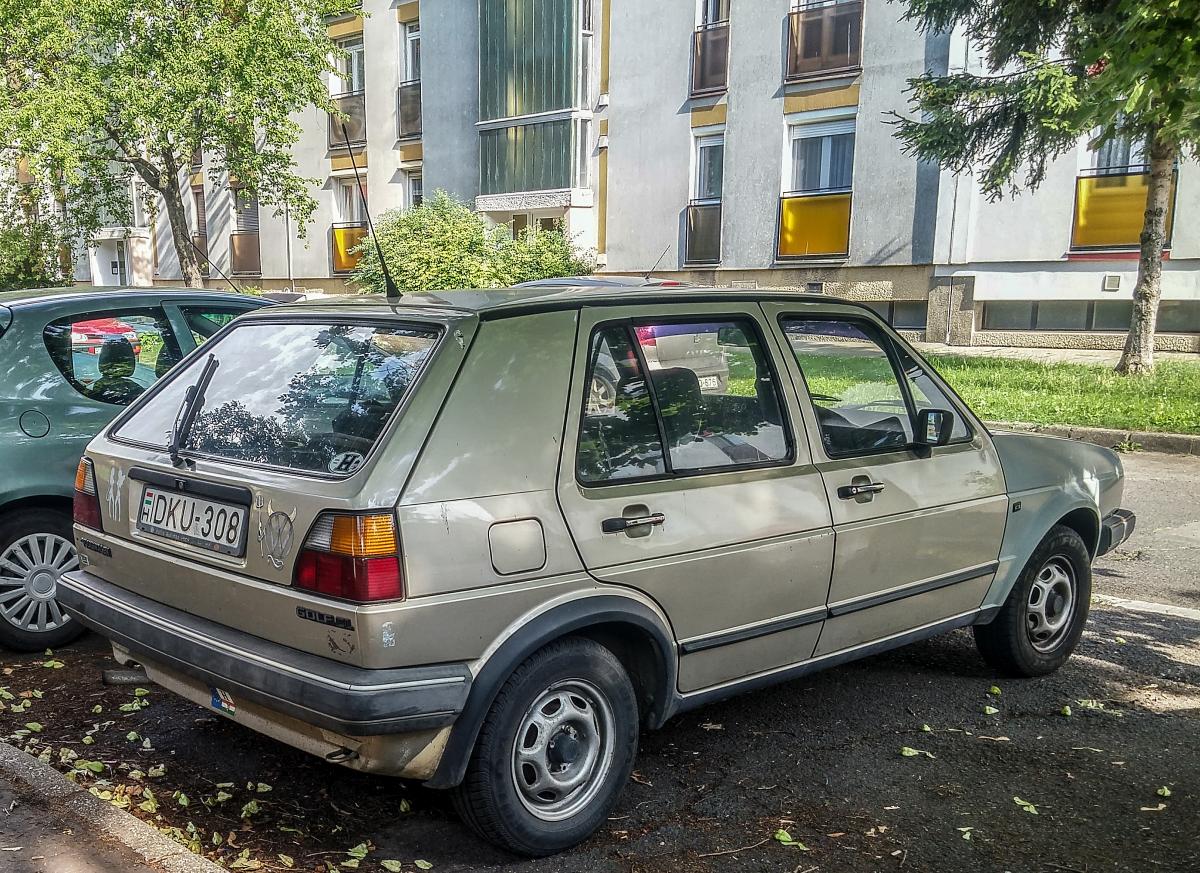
column 604, row 282
column 32, row 296
column 505, row 302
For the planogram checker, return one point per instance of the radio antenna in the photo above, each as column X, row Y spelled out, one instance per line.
column 393, row 293
column 656, row 263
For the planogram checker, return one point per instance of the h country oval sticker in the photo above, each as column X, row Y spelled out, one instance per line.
column 345, row 462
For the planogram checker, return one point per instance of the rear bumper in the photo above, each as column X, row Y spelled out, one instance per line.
column 354, row 701
column 1115, row 529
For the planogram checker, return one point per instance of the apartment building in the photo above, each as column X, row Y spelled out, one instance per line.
column 728, row 142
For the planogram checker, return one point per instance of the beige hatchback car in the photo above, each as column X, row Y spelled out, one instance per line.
column 410, row 538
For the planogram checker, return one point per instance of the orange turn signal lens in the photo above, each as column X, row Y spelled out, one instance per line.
column 363, row 536
column 84, row 480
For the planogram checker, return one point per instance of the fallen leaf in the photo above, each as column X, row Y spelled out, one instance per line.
column 97, row 709
column 133, row 736
column 926, row 728
column 391, row 866
column 990, row 710
column 909, row 752
column 53, row 664
column 966, row 832
column 995, row 689
column 181, row 798
column 262, row 787
column 1066, row 710
column 1163, row 792
column 157, row 770
column 1025, row 805
column 222, row 796
column 250, row 809
column 34, row 726
column 784, row 838
column 350, row 864
column 358, row 852
column 423, row 865
column 287, row 861
column 140, row 692
column 88, row 740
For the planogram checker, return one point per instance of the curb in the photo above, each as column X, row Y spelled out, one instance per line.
column 1168, row 609
column 1168, row 443
column 96, row 816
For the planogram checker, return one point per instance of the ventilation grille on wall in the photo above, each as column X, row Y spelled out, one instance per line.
column 1112, row 282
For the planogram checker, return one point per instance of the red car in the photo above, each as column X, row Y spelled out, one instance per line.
column 88, row 336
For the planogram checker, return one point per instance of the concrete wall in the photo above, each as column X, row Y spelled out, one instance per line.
column 450, row 96
column 895, row 198
column 649, row 153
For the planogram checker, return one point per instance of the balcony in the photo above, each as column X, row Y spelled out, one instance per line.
column 814, row 225
column 824, row 38
column 710, row 58
column 408, row 109
column 703, row 232
column 244, row 257
column 1110, row 208
column 343, row 237
column 354, row 105
column 200, row 248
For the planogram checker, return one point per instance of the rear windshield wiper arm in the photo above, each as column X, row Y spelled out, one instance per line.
column 193, row 399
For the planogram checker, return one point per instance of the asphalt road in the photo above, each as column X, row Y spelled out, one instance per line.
column 1114, row 783
column 1161, row 561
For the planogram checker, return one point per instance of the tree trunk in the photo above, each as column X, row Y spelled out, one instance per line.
column 189, row 261
column 1138, row 356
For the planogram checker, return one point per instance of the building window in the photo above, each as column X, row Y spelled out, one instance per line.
column 351, row 67
column 586, row 43
column 710, row 48
column 814, row 215
column 710, row 167
column 1174, row 316
column 902, row 314
column 416, row 189
column 583, row 157
column 714, row 11
column 824, row 37
column 704, row 210
column 244, row 256
column 412, row 51
column 348, row 204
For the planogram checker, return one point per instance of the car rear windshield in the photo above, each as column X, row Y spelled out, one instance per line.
column 310, row 397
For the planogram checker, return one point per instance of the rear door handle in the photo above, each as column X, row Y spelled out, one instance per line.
column 621, row 523
column 849, row 492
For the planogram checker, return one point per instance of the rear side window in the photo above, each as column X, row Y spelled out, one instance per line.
column 712, row 401
column 114, row 355
column 308, row 397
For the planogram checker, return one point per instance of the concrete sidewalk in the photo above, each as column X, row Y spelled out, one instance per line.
column 1105, row 358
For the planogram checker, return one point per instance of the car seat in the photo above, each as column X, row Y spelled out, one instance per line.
column 117, row 363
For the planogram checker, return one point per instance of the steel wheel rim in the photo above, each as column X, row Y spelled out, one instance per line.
column 29, row 572
column 563, row 750
column 602, row 395
column 1051, row 604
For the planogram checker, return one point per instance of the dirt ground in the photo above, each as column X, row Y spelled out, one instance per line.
column 820, row 758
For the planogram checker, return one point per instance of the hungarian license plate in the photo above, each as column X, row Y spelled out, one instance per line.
column 196, row 521
column 710, row 382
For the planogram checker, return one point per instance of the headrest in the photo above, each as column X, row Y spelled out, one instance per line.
column 117, row 360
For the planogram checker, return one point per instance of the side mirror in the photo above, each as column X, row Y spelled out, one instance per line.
column 934, row 427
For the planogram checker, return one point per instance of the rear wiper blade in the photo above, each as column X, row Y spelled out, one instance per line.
column 193, row 399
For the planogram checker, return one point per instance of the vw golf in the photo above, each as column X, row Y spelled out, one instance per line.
column 410, row 537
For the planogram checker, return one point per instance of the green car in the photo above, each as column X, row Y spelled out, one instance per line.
column 72, row 358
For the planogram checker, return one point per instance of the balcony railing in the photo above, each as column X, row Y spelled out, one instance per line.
column 1110, row 208
column 354, row 105
column 200, row 250
column 703, row 232
column 244, row 255
column 343, row 237
column 710, row 58
column 814, row 225
column 408, row 109
column 824, row 37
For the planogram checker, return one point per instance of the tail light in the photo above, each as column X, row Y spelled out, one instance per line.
column 646, row 336
column 87, row 501
column 354, row 557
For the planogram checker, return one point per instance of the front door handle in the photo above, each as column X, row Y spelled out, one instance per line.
column 621, row 523
column 849, row 492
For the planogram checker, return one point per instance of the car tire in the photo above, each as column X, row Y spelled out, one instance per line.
column 1041, row 622
column 36, row 545
column 568, row 713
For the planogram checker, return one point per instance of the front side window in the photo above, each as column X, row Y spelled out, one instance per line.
column 927, row 394
column 112, row 356
column 858, row 400
column 713, row 401
column 308, row 397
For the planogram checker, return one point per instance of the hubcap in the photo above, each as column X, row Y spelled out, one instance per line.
column 1051, row 604
column 563, row 749
column 29, row 573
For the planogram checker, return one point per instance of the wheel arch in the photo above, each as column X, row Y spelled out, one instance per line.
column 56, row 502
column 631, row 630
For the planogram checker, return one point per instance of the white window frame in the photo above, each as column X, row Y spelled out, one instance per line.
column 811, row 126
column 351, row 76
column 703, row 7
column 418, row 177
column 347, row 202
column 410, row 34
column 706, row 137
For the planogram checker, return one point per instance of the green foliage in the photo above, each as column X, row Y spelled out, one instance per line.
column 102, row 91
column 1054, row 70
column 30, row 249
column 443, row 244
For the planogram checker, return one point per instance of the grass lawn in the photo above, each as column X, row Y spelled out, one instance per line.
column 1000, row 389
